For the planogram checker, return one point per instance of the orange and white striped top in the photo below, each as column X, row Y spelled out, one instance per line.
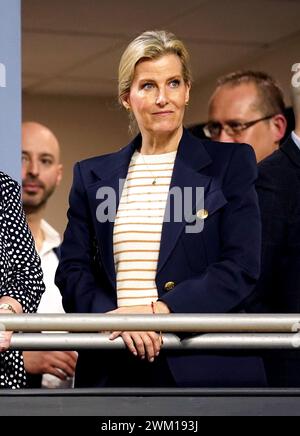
column 138, row 227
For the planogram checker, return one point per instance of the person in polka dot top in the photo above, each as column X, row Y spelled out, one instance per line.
column 21, row 278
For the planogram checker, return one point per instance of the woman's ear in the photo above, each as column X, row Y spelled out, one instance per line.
column 126, row 102
column 187, row 93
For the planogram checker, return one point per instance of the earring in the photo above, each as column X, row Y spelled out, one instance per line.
column 187, row 103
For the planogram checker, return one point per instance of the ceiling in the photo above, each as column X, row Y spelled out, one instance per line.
column 73, row 47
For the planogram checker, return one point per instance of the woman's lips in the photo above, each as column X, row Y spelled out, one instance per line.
column 163, row 113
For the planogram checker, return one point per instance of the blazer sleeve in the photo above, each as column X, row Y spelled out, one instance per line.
column 291, row 271
column 76, row 276
column 24, row 280
column 227, row 283
column 278, row 190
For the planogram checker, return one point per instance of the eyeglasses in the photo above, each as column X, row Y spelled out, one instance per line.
column 213, row 129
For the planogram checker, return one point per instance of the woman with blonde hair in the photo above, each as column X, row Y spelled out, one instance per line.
column 138, row 256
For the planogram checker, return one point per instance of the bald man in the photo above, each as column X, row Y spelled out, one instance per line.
column 41, row 174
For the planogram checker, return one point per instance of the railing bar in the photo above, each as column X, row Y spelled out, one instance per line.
column 58, row 341
column 174, row 323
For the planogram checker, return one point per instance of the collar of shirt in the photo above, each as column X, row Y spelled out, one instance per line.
column 296, row 139
column 52, row 238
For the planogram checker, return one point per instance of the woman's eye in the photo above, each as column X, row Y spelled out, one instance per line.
column 175, row 83
column 147, row 86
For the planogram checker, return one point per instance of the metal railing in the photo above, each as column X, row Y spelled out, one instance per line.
column 87, row 341
column 188, row 323
column 216, row 331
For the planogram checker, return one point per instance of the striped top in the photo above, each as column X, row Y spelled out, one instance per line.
column 138, row 227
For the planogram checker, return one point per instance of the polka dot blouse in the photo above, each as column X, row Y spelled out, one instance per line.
column 20, row 273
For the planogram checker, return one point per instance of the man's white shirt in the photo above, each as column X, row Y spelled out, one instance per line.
column 296, row 139
column 51, row 301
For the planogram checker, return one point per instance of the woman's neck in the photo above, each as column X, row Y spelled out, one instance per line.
column 162, row 143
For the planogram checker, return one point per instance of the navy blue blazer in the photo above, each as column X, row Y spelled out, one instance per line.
column 278, row 188
column 214, row 271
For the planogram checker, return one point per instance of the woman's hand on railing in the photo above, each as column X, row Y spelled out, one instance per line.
column 160, row 308
column 5, row 338
column 140, row 344
column 132, row 310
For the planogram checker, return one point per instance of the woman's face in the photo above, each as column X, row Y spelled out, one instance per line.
column 158, row 95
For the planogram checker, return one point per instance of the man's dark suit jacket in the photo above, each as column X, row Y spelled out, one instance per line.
column 214, row 271
column 278, row 188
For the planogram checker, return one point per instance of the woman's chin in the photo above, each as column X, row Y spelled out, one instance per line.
column 164, row 129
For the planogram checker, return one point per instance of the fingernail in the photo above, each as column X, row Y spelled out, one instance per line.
column 151, row 360
column 157, row 354
column 143, row 357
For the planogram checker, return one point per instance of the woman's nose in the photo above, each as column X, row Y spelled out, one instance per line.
column 161, row 99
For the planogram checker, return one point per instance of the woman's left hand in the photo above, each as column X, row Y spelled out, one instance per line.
column 132, row 310
column 15, row 307
column 5, row 338
column 141, row 344
column 160, row 309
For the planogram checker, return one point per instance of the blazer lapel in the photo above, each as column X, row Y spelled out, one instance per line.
column 111, row 177
column 191, row 158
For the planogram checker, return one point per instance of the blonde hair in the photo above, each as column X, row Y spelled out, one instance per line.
column 150, row 45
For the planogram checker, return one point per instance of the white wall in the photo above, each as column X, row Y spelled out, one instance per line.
column 276, row 61
column 85, row 127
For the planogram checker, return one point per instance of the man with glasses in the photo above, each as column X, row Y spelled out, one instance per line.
column 249, row 107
